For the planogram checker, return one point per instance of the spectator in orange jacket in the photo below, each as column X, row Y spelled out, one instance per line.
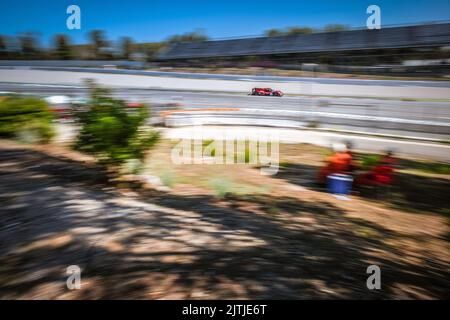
column 339, row 162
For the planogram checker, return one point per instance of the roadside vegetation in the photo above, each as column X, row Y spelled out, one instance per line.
column 27, row 119
column 115, row 135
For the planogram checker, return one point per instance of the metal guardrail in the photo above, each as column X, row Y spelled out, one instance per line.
column 295, row 118
column 72, row 63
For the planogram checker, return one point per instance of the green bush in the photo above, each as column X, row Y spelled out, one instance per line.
column 168, row 178
column 369, row 160
column 429, row 167
column 25, row 118
column 221, row 187
column 110, row 131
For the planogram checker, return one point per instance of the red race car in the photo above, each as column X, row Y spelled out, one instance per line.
column 266, row 92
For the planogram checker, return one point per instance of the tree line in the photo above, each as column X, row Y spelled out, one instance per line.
column 26, row 46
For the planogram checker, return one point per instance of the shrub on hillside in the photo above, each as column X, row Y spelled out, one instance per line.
column 112, row 132
column 25, row 118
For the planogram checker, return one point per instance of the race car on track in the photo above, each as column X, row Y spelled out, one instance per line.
column 266, row 92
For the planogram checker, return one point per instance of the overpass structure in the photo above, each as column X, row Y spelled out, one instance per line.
column 418, row 36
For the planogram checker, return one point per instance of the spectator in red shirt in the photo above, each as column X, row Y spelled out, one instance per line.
column 380, row 174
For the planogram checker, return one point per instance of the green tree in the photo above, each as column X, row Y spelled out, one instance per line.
column 2, row 43
column 62, row 47
column 126, row 47
column 98, row 42
column 112, row 133
column 273, row 32
column 26, row 118
column 4, row 54
column 151, row 49
column 300, row 30
column 197, row 35
column 28, row 45
column 335, row 27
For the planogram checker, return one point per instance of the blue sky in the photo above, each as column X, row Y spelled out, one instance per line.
column 147, row 20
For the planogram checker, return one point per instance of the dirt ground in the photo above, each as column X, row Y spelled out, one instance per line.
column 266, row 237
